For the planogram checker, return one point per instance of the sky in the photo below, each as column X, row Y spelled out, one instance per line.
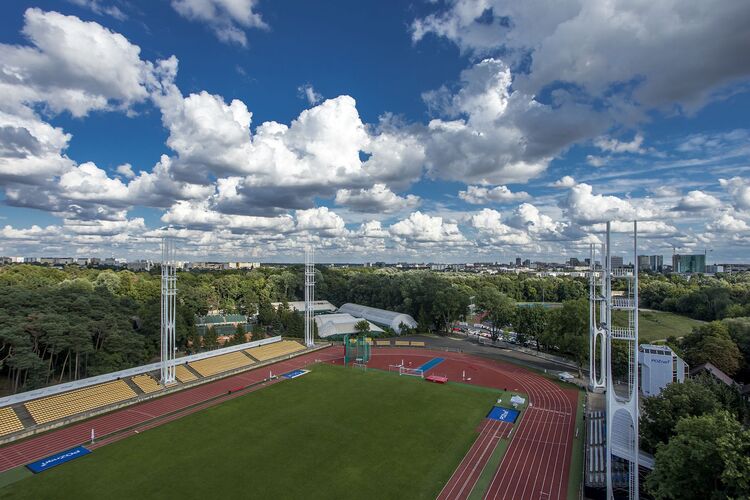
column 423, row 131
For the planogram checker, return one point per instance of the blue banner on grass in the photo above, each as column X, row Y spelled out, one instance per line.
column 295, row 373
column 57, row 459
column 503, row 414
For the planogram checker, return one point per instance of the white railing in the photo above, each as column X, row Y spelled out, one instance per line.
column 622, row 303
column 622, row 333
column 108, row 377
column 622, row 272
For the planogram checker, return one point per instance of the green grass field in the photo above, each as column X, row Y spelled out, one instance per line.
column 657, row 325
column 333, row 433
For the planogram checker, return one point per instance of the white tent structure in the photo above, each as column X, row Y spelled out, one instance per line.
column 330, row 325
column 380, row 317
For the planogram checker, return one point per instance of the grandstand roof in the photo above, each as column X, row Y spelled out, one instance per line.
column 381, row 317
column 330, row 325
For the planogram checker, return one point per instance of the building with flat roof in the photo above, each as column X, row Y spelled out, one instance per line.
column 381, row 317
column 318, row 306
column 695, row 263
column 659, row 366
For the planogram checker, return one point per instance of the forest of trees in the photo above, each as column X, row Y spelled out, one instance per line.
column 66, row 324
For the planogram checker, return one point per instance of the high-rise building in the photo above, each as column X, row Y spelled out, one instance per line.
column 643, row 262
column 518, row 261
column 656, row 263
column 695, row 263
column 616, row 261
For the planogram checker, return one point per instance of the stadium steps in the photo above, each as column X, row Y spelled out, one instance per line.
column 134, row 386
column 23, row 413
column 251, row 356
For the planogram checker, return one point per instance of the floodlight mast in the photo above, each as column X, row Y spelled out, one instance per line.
column 168, row 308
column 622, row 410
column 309, row 296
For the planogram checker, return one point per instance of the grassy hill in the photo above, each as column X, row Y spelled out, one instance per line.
column 657, row 325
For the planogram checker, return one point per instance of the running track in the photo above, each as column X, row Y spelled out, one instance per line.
column 537, row 462
column 535, row 466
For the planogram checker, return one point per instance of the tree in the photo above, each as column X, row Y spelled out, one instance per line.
column 501, row 309
column 568, row 330
column 211, row 339
column 711, row 343
column 362, row 327
column 239, row 334
column 531, row 322
column 660, row 414
column 708, row 457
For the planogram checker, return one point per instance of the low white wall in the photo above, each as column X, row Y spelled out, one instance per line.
column 108, row 377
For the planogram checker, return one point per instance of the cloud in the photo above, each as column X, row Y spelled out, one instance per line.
column 227, row 18
column 609, row 49
column 739, row 190
column 696, row 201
column 728, row 223
column 424, row 229
column 73, row 66
column 565, row 181
column 307, row 92
column 199, row 215
column 321, row 221
column 611, row 145
column 477, row 195
column 377, row 199
column 100, row 9
column 596, row 161
column 373, row 229
column 493, row 231
column 125, row 170
column 496, row 135
column 584, row 207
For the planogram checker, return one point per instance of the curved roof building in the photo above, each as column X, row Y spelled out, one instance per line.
column 380, row 317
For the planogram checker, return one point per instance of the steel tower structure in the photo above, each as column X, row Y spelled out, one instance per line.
column 309, row 296
column 621, row 388
column 168, row 296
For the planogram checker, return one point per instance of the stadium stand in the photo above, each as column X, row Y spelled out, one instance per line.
column 415, row 343
column 383, row 343
column 270, row 351
column 402, row 343
column 146, row 383
column 79, row 401
column 9, row 421
column 182, row 374
column 223, row 363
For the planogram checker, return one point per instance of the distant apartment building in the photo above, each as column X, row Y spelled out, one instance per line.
column 242, row 265
column 656, row 263
column 616, row 261
column 518, row 261
column 695, row 263
column 644, row 263
column 140, row 265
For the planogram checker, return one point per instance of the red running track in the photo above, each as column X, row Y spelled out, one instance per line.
column 473, row 464
column 537, row 462
column 142, row 415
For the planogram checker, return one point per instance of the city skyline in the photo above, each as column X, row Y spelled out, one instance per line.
column 435, row 132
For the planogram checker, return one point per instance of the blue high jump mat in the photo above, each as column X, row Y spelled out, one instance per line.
column 430, row 364
column 57, row 459
column 503, row 414
column 295, row 373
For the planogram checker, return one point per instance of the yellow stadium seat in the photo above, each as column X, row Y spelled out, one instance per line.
column 222, row 363
column 414, row 343
column 402, row 343
column 146, row 383
column 183, row 374
column 78, row 401
column 9, row 421
column 275, row 350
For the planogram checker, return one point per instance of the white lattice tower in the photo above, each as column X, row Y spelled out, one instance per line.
column 622, row 409
column 309, row 296
column 168, row 297
column 597, row 322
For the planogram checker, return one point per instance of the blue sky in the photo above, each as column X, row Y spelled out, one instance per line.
column 447, row 131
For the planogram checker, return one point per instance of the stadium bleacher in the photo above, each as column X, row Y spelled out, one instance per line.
column 402, row 343
column 217, row 364
column 383, row 343
column 182, row 374
column 270, row 351
column 9, row 421
column 146, row 383
column 415, row 343
column 79, row 401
